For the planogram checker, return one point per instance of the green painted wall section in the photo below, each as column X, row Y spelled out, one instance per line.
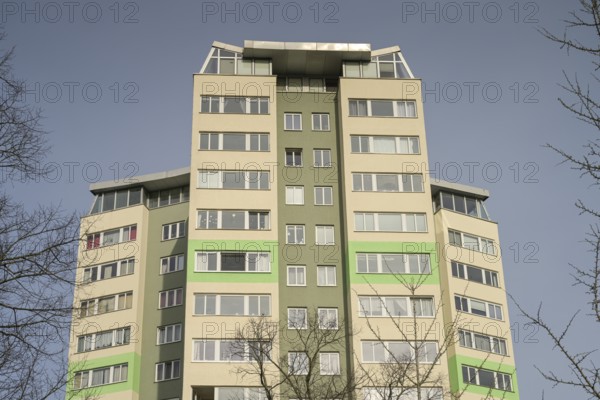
column 456, row 380
column 133, row 361
column 233, row 245
column 392, row 247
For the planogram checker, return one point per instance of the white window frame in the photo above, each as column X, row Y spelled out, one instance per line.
column 124, row 267
column 484, row 245
column 293, row 116
column 298, row 369
column 91, row 307
column 118, row 337
column 326, row 268
column 115, row 375
column 176, row 294
column 262, row 215
column 498, row 345
column 218, row 177
column 296, row 228
column 384, row 346
column 294, row 195
column 220, row 140
column 262, row 102
column 320, row 195
column 424, row 267
column 405, row 218
column 174, row 330
column 465, row 301
column 319, row 158
column 165, row 264
column 397, row 106
column 409, row 144
column 297, row 310
column 330, row 360
column 174, row 365
column 218, row 351
column 328, row 318
column 320, row 117
column 218, row 255
column 475, row 380
column 324, row 235
column 381, row 301
column 461, row 271
column 167, row 230
column 247, row 297
column 416, row 180
column 124, row 234
column 296, row 269
column 295, row 151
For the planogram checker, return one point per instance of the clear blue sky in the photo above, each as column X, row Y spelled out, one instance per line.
column 114, row 80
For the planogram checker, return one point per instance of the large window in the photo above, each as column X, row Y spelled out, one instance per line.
column 294, row 195
column 390, row 65
column 168, row 197
column 472, row 242
column 296, row 275
column 234, row 105
column 320, row 122
column 390, row 222
column 292, row 121
column 168, row 334
column 474, row 274
column 173, row 231
column 106, row 304
column 230, row 350
column 170, row 298
column 234, row 141
column 322, row 158
column 298, row 363
column 323, row 195
column 114, row 200
column 478, row 307
column 324, row 235
column 225, row 62
column 385, row 144
column 383, row 108
column 395, row 306
column 399, row 352
column 486, row 378
column 100, row 376
column 232, row 261
column 461, row 204
column 387, row 182
column 232, row 304
column 172, row 264
column 168, row 370
column 109, row 270
column 258, row 180
column 294, row 234
column 326, row 275
column 328, row 318
column 293, row 157
column 402, row 393
column 329, row 363
column 392, row 263
column 478, row 341
column 113, row 236
column 233, row 219
column 103, row 340
column 297, row 318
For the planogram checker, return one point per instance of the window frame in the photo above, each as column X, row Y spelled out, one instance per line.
column 299, row 310
column 322, row 195
column 220, row 140
column 423, row 267
column 166, row 328
column 294, row 194
column 167, row 231
column 262, row 217
column 326, row 232
column 396, row 105
column 296, row 227
column 218, row 176
column 464, row 304
column 319, row 159
column 218, row 298
column 177, row 296
column 327, row 310
column 334, row 367
column 404, row 220
column 218, row 260
column 320, row 118
column 294, row 152
column 385, row 310
column 172, row 376
column 296, row 268
column 293, row 116
column 326, row 268
column 261, row 102
column 179, row 264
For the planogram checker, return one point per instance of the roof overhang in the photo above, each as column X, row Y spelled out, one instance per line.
column 458, row 188
column 151, row 182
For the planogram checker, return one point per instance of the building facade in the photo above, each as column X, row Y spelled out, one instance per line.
column 306, row 195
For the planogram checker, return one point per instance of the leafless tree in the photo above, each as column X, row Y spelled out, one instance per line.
column 37, row 258
column 581, row 36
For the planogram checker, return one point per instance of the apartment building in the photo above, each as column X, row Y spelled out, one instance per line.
column 306, row 194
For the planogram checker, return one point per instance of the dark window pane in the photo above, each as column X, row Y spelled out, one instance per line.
column 135, row 196
column 108, row 201
column 232, row 262
column 475, row 274
column 382, row 108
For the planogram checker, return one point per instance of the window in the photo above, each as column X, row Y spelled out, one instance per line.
column 390, row 222
column 399, row 352
column 385, row 144
column 486, row 378
column 294, row 234
column 490, row 344
column 232, row 304
column 320, row 122
column 100, row 376
column 387, row 182
column 474, row 274
column 168, row 197
column 239, row 393
column 294, row 195
column 392, row 263
column 239, row 180
column 232, row 261
column 328, row 318
column 400, row 393
column 392, row 306
column 384, row 66
column 292, row 121
column 227, row 62
column 168, row 334
column 170, row 298
column 461, row 204
column 167, row 370
column 233, row 219
column 103, row 340
column 326, row 275
column 472, row 242
column 111, row 237
column 237, row 141
column 171, row 264
column 173, row 231
column 109, row 270
column 296, row 275
column 117, row 199
column 323, row 195
column 230, row 350
column 329, row 363
column 103, row 305
column 298, row 363
column 297, row 318
column 234, row 105
column 325, row 235
column 293, row 157
column 383, row 108
column 478, row 307
column 322, row 158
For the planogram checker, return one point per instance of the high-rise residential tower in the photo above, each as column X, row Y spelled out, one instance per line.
column 306, row 195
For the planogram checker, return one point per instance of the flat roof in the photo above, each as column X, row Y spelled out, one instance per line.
column 152, row 182
column 459, row 188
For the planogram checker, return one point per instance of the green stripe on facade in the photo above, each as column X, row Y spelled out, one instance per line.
column 392, row 247
column 457, row 384
column 233, row 245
